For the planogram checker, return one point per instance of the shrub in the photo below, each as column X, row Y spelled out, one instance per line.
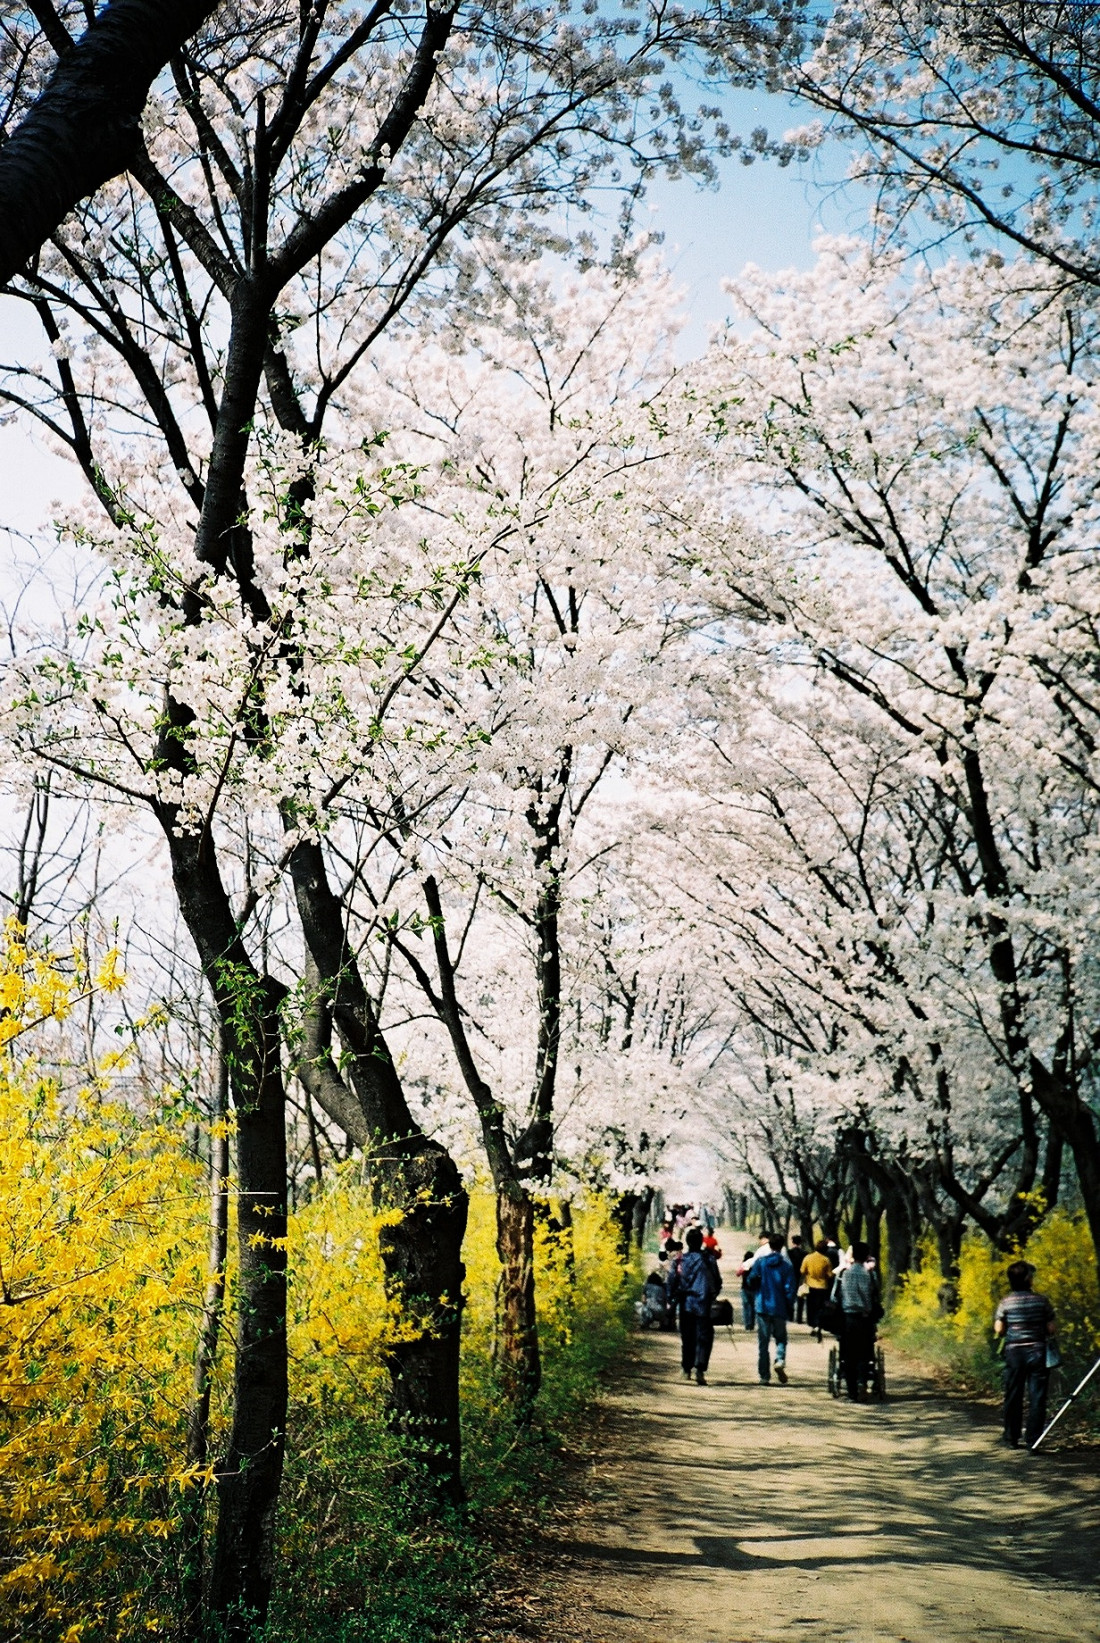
column 1062, row 1252
column 101, row 1249
column 103, row 1233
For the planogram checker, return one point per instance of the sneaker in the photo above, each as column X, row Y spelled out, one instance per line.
column 686, row 1374
column 763, row 1382
column 781, row 1374
column 700, row 1378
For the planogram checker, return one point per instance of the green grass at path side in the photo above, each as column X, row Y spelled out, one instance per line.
column 362, row 1561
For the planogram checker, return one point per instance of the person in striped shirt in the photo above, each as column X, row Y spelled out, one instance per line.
column 1026, row 1320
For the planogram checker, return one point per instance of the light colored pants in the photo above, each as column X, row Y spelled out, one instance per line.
column 770, row 1327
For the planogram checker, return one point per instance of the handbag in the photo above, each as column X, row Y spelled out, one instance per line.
column 831, row 1317
column 721, row 1313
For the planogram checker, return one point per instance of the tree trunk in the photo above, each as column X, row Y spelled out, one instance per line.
column 251, row 1471
column 422, row 1263
column 422, row 1254
column 85, row 125
column 899, row 1239
column 1075, row 1122
column 518, row 1357
column 562, row 1225
column 192, row 1510
column 1052, row 1168
column 641, row 1216
column 623, row 1217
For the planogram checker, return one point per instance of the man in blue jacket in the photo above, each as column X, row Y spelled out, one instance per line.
column 773, row 1282
column 695, row 1282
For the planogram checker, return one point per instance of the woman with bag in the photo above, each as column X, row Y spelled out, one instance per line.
column 817, row 1275
column 1027, row 1322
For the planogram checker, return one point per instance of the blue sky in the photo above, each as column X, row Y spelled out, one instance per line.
column 759, row 213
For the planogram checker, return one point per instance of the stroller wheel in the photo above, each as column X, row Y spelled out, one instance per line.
column 833, row 1372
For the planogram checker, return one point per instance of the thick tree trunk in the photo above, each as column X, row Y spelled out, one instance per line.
column 85, row 126
column 250, row 1473
column 518, row 1358
column 422, row 1254
column 422, row 1262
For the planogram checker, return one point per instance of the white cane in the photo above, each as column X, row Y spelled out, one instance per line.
column 1071, row 1399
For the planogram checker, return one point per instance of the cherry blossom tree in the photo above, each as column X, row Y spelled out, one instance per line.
column 923, row 453
column 308, row 179
column 978, row 119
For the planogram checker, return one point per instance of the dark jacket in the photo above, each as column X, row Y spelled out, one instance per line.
column 773, row 1281
column 695, row 1282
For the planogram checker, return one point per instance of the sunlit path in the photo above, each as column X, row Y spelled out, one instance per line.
column 747, row 1514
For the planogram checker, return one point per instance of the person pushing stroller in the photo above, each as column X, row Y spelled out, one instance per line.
column 859, row 1297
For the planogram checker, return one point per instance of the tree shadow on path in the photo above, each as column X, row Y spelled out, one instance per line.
column 737, row 1504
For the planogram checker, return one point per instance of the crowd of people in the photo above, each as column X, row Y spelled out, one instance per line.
column 832, row 1289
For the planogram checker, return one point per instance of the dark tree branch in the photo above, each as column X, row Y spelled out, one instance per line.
column 86, row 126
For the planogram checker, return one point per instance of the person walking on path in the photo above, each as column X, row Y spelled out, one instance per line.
column 796, row 1255
column 674, row 1251
column 748, row 1300
column 773, row 1284
column 696, row 1283
column 1026, row 1320
column 860, row 1303
column 817, row 1272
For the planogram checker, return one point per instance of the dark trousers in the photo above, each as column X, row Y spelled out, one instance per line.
column 696, row 1340
column 815, row 1300
column 857, row 1350
column 1025, row 1371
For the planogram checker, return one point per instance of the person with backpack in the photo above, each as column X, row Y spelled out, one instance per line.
column 695, row 1282
column 773, row 1283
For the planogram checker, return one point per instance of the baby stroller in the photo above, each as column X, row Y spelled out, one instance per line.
column 653, row 1309
column 874, row 1370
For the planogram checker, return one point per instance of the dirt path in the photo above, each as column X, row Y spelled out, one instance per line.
column 736, row 1513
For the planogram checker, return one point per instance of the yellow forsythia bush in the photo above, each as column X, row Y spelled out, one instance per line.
column 1060, row 1249
column 340, row 1321
column 101, row 1252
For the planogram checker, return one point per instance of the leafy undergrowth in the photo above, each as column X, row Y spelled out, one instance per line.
column 361, row 1556
column 958, row 1349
